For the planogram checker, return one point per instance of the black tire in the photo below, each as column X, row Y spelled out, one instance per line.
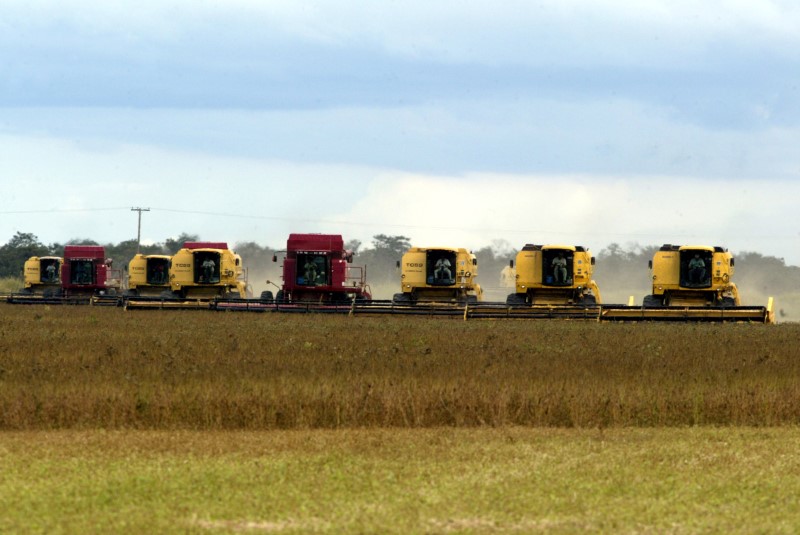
column 267, row 297
column 167, row 294
column 516, row 300
column 727, row 302
column 652, row 301
column 130, row 293
column 589, row 300
column 280, row 297
column 401, row 299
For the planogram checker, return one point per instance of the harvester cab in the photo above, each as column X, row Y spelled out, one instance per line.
column 42, row 275
column 86, row 271
column 207, row 270
column 554, row 275
column 317, row 268
column 438, row 274
column 148, row 275
column 692, row 275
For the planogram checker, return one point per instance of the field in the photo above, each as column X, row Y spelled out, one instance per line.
column 181, row 421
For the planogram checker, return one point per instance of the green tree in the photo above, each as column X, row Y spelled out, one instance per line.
column 392, row 245
column 174, row 245
column 19, row 248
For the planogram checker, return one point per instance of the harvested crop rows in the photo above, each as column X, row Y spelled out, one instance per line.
column 88, row 367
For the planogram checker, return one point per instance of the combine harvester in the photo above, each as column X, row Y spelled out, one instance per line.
column 554, row 275
column 148, row 276
column 438, row 275
column 316, row 272
column 85, row 277
column 199, row 274
column 692, row 283
column 42, row 276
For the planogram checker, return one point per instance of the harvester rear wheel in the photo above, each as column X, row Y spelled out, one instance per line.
column 588, row 301
column 280, row 297
column 267, row 297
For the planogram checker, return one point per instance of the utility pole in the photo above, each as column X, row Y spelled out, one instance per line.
column 139, row 230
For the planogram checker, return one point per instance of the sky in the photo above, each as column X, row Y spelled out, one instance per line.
column 454, row 123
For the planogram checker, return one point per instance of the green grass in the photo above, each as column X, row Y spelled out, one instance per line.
column 506, row 480
column 10, row 284
column 198, row 422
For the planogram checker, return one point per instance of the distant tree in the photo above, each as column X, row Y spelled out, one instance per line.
column 174, row 245
column 353, row 245
column 82, row 241
column 19, row 248
column 124, row 251
column 254, row 254
column 393, row 245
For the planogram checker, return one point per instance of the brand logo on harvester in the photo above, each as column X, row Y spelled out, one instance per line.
column 415, row 264
column 183, row 265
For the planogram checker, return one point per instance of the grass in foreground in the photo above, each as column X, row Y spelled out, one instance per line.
column 507, row 480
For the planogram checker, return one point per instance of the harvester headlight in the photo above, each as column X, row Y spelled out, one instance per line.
column 469, row 274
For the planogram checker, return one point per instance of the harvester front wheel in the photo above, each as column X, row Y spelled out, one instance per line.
column 515, row 300
column 652, row 301
column 267, row 297
column 401, row 299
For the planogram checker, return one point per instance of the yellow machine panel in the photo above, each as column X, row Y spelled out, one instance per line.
column 554, row 275
column 42, row 275
column 692, row 275
column 438, row 274
column 207, row 273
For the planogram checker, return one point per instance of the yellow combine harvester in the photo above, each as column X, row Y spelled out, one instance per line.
column 438, row 274
column 554, row 275
column 207, row 270
column 692, row 283
column 42, row 276
column 148, row 276
column 198, row 274
column 692, row 275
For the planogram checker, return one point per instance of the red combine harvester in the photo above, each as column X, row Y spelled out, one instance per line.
column 86, row 272
column 317, row 269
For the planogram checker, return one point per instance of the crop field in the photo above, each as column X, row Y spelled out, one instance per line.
column 188, row 421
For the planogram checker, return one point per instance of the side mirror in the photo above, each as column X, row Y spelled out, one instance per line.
column 731, row 262
column 592, row 261
column 511, row 264
column 274, row 258
column 650, row 264
column 474, row 261
column 398, row 264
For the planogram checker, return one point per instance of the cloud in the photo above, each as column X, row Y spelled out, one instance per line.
column 709, row 61
column 472, row 210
